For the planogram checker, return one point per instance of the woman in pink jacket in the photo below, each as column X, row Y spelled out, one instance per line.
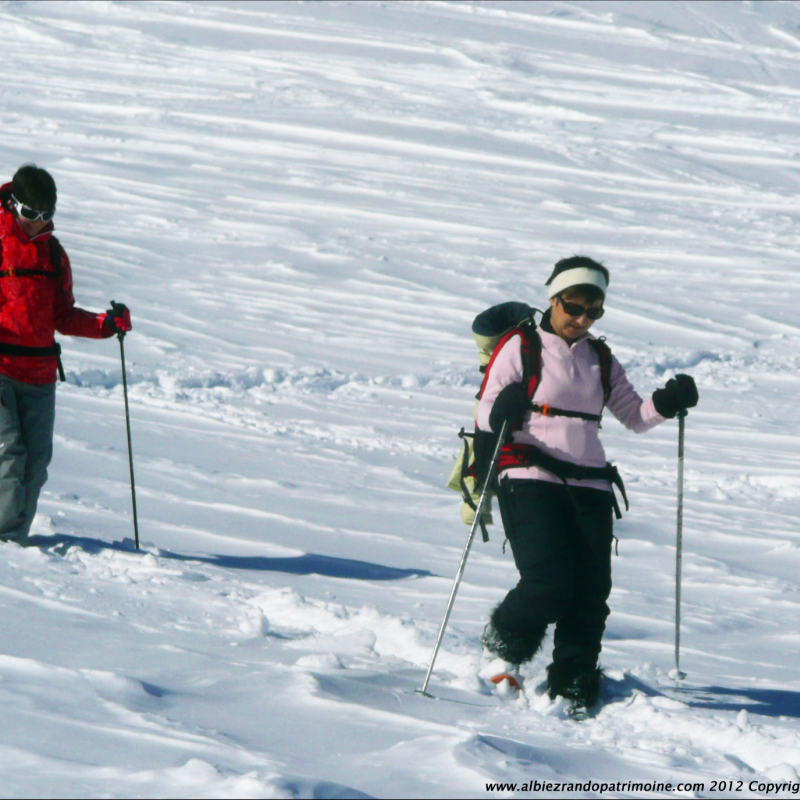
column 555, row 492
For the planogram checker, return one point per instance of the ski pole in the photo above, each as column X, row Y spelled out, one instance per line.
column 121, row 336
column 678, row 675
column 462, row 565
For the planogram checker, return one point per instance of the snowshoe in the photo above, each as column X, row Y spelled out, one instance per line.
column 514, row 680
column 504, row 675
column 577, row 711
column 578, row 684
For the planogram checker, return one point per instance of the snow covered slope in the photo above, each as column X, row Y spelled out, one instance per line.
column 305, row 204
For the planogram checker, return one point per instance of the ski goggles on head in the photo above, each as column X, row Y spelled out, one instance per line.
column 31, row 214
column 577, row 310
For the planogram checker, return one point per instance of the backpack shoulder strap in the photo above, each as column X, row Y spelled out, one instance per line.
column 55, row 255
column 531, row 346
column 604, row 356
column 531, row 356
column 5, row 197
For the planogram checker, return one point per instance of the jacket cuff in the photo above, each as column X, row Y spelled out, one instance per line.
column 650, row 416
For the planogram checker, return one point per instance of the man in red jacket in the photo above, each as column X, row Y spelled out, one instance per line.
column 35, row 301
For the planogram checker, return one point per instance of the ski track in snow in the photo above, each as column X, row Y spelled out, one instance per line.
column 305, row 205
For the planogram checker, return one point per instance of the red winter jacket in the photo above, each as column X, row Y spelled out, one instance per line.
column 34, row 307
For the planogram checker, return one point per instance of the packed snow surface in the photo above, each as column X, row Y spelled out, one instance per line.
column 305, row 205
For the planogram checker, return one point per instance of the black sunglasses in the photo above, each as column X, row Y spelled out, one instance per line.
column 577, row 310
column 31, row 214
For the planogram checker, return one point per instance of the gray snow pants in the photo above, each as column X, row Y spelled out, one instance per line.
column 27, row 415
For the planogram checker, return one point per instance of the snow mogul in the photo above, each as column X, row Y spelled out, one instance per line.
column 550, row 384
column 35, row 301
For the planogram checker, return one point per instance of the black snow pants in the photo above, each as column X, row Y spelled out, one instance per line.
column 561, row 541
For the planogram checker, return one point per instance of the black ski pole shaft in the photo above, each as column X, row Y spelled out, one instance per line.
column 121, row 336
column 478, row 514
column 679, row 548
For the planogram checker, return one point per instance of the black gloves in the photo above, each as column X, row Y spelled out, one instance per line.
column 118, row 318
column 511, row 404
column 679, row 394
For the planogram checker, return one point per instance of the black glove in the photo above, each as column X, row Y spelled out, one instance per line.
column 118, row 318
column 679, row 394
column 511, row 404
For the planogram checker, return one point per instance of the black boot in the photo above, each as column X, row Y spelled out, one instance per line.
column 513, row 646
column 576, row 682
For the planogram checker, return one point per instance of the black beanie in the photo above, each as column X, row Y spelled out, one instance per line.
column 34, row 187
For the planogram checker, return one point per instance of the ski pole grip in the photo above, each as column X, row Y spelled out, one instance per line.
column 118, row 308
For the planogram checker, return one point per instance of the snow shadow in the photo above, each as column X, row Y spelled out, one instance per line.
column 766, row 702
column 305, row 564
column 322, row 790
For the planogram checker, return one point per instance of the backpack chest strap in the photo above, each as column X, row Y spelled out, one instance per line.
column 548, row 411
column 26, row 273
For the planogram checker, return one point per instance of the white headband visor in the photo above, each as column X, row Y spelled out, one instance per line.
column 576, row 277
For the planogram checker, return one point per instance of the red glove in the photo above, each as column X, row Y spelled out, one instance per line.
column 118, row 318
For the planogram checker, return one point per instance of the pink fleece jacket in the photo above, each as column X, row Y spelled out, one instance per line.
column 570, row 381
